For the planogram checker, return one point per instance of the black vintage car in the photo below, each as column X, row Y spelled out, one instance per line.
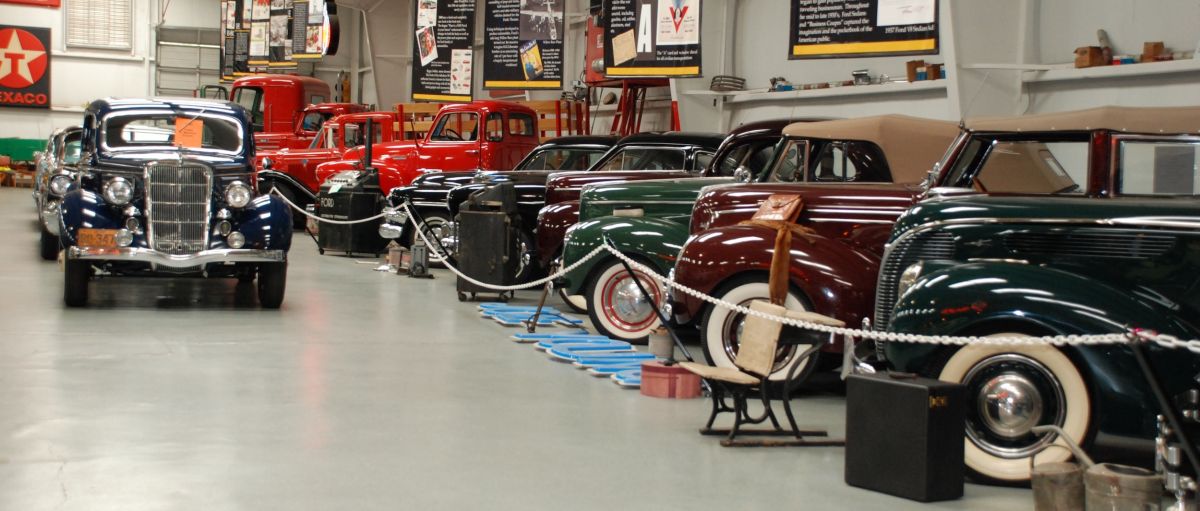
column 54, row 174
column 430, row 194
column 165, row 187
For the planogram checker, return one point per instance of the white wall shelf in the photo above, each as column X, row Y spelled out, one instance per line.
column 1067, row 73
column 832, row 92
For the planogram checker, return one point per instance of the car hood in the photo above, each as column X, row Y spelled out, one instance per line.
column 134, row 160
column 565, row 186
column 729, row 204
column 684, row 189
column 978, row 208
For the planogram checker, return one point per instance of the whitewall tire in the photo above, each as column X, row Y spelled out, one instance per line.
column 1009, row 390
column 720, row 326
column 617, row 307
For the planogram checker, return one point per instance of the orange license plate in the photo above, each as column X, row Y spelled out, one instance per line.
column 97, row 238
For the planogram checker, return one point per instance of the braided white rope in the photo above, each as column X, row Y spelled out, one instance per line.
column 1165, row 340
column 279, row 194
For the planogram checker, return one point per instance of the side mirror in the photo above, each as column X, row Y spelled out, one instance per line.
column 742, row 175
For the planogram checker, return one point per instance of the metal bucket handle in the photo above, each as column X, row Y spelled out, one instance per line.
column 1070, row 445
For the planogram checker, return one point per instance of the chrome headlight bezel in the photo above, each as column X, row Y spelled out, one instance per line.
column 238, row 195
column 59, row 184
column 117, row 191
column 909, row 277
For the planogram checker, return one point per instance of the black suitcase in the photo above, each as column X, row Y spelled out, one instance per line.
column 485, row 253
column 904, row 436
column 350, row 196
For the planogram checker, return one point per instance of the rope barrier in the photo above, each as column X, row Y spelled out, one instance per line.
column 277, row 193
column 1133, row 335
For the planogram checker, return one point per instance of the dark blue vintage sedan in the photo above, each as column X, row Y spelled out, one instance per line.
column 166, row 187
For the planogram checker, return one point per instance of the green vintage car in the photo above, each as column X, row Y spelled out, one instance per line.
column 649, row 220
column 1102, row 235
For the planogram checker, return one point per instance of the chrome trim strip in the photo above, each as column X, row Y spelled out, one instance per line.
column 636, row 202
column 442, row 205
column 146, row 255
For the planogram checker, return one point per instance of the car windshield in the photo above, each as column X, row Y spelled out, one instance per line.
column 71, row 152
column 645, row 158
column 563, row 158
column 789, row 166
column 754, row 157
column 1051, row 166
column 203, row 131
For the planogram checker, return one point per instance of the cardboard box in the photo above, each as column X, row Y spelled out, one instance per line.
column 911, row 67
column 1151, row 50
column 1089, row 56
column 670, row 382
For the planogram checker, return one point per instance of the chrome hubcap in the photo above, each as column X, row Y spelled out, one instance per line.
column 1010, row 405
column 731, row 339
column 629, row 304
column 1012, row 393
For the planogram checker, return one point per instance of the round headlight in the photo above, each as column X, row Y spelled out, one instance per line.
column 908, row 278
column 236, row 240
column 238, row 195
column 60, row 183
column 118, row 191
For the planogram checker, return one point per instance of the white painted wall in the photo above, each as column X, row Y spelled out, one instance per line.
column 81, row 75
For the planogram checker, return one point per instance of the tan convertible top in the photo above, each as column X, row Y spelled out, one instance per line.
column 1177, row 120
column 911, row 144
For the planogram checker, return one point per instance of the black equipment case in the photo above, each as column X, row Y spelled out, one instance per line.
column 904, row 435
column 350, row 196
column 487, row 248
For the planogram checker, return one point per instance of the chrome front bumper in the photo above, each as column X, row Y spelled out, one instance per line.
column 146, row 255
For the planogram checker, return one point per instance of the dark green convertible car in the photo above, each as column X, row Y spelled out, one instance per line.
column 1102, row 235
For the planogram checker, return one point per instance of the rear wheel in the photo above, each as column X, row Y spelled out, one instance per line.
column 1011, row 389
column 618, row 308
column 48, row 245
column 76, row 275
column 272, row 279
column 720, row 329
column 436, row 225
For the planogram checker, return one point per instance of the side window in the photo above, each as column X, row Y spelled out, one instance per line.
column 456, row 127
column 1033, row 167
column 352, row 136
column 703, row 160
column 495, row 127
column 520, row 125
column 789, row 164
column 313, row 121
column 314, row 99
column 251, row 100
column 1158, row 167
column 730, row 161
column 833, row 164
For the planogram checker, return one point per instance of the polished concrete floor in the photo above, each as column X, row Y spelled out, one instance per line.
column 365, row 391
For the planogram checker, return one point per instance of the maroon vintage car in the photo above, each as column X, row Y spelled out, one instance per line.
column 833, row 269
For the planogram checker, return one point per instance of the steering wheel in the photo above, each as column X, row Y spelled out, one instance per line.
column 446, row 134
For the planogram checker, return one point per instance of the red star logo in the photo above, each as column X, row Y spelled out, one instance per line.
column 22, row 58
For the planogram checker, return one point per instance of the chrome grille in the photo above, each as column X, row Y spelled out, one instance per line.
column 178, row 203
column 904, row 253
column 1091, row 243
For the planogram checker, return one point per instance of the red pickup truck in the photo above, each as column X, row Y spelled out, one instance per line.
column 287, row 110
column 294, row 171
column 491, row 135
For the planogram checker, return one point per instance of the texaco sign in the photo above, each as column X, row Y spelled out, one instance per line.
column 24, row 67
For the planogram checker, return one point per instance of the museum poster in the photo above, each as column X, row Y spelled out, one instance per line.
column 523, row 44
column 25, row 75
column 652, row 38
column 260, row 22
column 279, row 37
column 442, row 57
column 862, row 28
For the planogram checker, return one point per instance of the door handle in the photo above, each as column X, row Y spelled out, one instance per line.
column 472, row 151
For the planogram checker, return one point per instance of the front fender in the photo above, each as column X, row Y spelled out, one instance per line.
column 994, row 297
column 553, row 222
column 83, row 208
column 268, row 179
column 266, row 223
column 651, row 239
column 328, row 169
column 836, row 279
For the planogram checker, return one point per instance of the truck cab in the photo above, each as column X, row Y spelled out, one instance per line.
column 287, row 110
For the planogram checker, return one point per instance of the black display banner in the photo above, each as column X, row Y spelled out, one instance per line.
column 228, row 23
column 652, row 38
column 25, row 75
column 523, row 44
column 862, row 28
column 299, row 31
column 442, row 57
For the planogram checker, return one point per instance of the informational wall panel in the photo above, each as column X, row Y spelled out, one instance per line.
column 862, row 28
column 652, row 38
column 442, row 57
column 523, row 44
